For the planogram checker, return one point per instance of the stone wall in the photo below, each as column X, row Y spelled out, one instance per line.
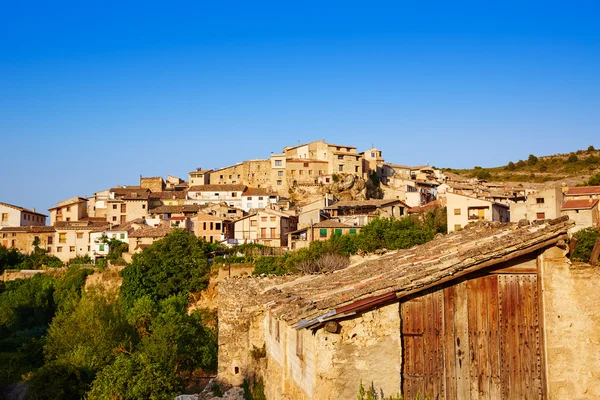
column 571, row 306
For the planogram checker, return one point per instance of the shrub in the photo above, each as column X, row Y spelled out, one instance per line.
column 532, row 160
column 572, row 158
column 586, row 239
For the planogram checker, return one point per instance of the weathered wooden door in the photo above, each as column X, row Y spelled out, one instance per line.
column 478, row 339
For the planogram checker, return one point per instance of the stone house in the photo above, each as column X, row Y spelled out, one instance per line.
column 74, row 209
column 212, row 228
column 217, row 193
column 257, row 198
column 145, row 236
column 267, row 227
column 545, row 204
column 22, row 237
column 72, row 238
column 465, row 209
column 583, row 212
column 154, row 184
column 341, row 159
column 254, row 173
column 11, row 215
column 199, row 177
column 320, row 231
column 97, row 204
column 361, row 212
column 166, row 198
column 494, row 311
column 311, row 213
column 126, row 204
column 584, row 192
column 373, row 162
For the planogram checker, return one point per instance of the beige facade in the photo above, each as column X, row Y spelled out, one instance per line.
column 340, row 159
column 127, row 204
column 321, row 231
column 74, row 209
column 72, row 238
column 373, row 162
column 545, row 204
column 97, row 204
column 463, row 210
column 267, row 227
column 212, row 229
column 199, row 177
column 11, row 215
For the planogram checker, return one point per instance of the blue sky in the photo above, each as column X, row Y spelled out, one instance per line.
column 93, row 94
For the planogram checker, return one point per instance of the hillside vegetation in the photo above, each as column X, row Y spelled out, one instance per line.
column 576, row 168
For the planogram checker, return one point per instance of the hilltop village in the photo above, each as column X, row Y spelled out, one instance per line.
column 491, row 309
column 305, row 193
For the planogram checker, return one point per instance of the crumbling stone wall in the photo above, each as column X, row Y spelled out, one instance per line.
column 571, row 303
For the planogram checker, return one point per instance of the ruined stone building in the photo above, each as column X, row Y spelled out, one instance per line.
column 494, row 311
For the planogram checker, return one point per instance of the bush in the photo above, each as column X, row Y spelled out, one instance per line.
column 532, row 160
column 594, row 180
column 572, row 158
column 270, row 265
column 591, row 148
column 586, row 239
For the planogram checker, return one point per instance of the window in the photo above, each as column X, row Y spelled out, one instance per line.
column 233, row 194
column 229, row 176
column 218, row 226
column 123, row 208
column 204, row 226
column 101, row 247
column 4, row 217
column 279, row 182
column 310, row 171
column 539, row 200
column 293, row 172
column 62, row 238
column 260, row 197
column 277, row 330
column 273, row 233
column 122, row 236
column 279, row 173
column 114, row 219
column 305, row 165
column 540, row 215
column 356, row 168
column 68, row 209
column 4, row 235
column 301, row 172
column 457, row 211
column 278, row 163
column 79, row 235
column 50, row 239
column 457, row 227
column 114, row 206
column 273, row 219
column 238, row 176
column 353, row 231
column 373, row 154
column 337, row 231
column 249, row 198
column 211, row 226
column 263, row 219
column 68, row 219
column 263, row 232
column 216, row 194
column 71, row 249
column 220, row 176
column 340, row 167
column 143, row 206
column 253, row 222
column 59, row 249
column 340, row 157
column 323, row 232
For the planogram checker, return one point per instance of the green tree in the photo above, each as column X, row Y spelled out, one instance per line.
column 586, row 239
column 176, row 264
column 594, row 180
column 9, row 257
column 591, row 148
column 572, row 158
column 532, row 160
column 511, row 166
column 58, row 381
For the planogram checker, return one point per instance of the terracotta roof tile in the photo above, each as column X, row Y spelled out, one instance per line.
column 22, row 209
column 331, row 224
column 579, row 204
column 186, row 208
column 584, row 190
column 169, row 195
column 307, row 300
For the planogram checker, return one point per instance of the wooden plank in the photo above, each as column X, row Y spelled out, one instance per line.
column 495, row 388
column 538, row 324
column 449, row 343
column 428, row 367
column 482, row 340
column 462, row 356
column 512, row 356
column 503, row 326
column 473, row 297
column 438, row 356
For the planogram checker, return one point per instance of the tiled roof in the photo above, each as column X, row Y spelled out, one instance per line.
column 128, row 191
column 258, row 192
column 331, row 224
column 178, row 218
column 305, row 160
column 29, row 229
column 69, row 202
column 217, row 188
column 128, row 226
column 584, row 190
column 152, row 232
column 307, row 300
column 579, row 204
column 201, row 171
column 186, row 208
column 169, row 195
column 80, row 224
column 23, row 209
column 364, row 203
